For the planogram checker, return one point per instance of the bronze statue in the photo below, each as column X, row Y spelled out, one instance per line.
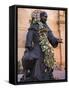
column 34, row 67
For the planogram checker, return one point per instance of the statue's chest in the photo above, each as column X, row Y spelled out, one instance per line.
column 41, row 32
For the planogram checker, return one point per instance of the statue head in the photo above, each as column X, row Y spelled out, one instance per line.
column 43, row 16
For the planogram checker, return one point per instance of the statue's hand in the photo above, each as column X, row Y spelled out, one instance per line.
column 60, row 40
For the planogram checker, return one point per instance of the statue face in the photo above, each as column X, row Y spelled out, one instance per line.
column 44, row 19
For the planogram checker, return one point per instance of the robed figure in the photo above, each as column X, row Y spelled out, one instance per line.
column 34, row 68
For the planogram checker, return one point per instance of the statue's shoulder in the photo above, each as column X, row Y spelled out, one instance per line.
column 34, row 26
column 37, row 25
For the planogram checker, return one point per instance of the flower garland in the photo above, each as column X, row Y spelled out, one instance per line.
column 49, row 59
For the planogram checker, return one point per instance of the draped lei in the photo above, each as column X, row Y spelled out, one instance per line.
column 48, row 50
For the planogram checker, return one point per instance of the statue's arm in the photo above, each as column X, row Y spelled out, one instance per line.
column 52, row 39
